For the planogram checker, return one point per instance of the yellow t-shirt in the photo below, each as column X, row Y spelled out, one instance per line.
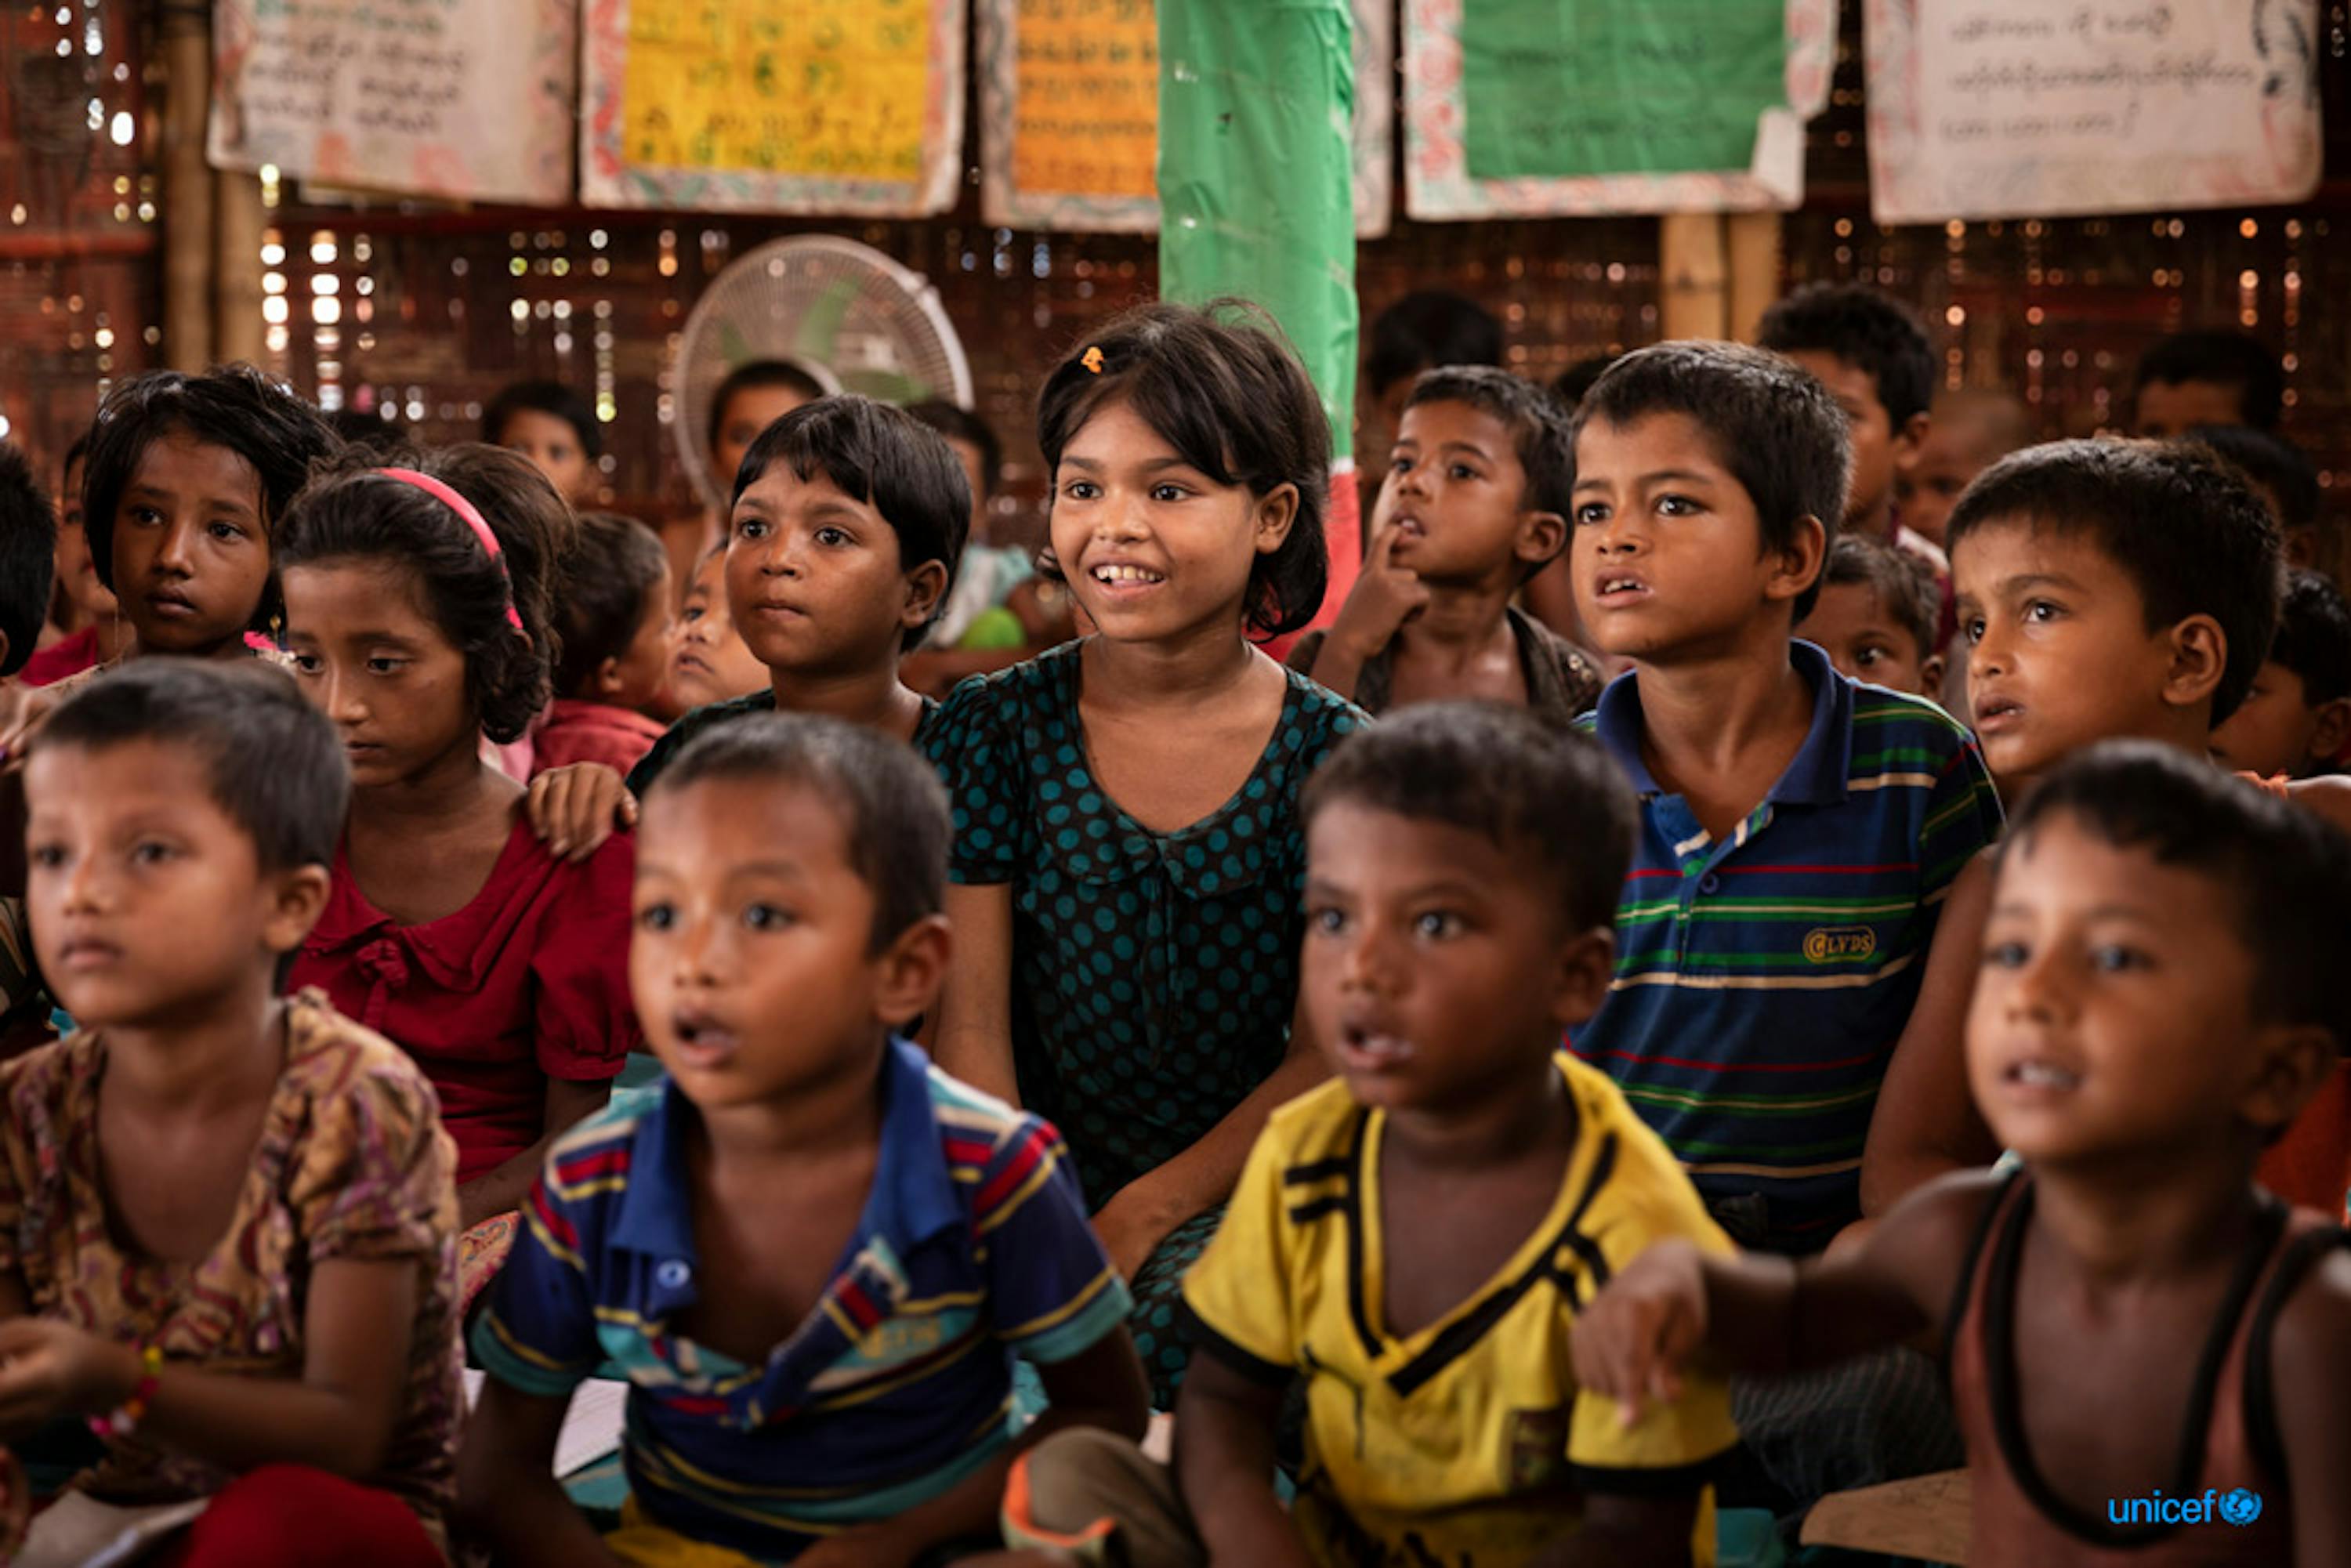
column 1468, row 1443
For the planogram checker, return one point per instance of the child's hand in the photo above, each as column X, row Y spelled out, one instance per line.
column 1385, row 597
column 22, row 714
column 1632, row 1342
column 49, row 1369
column 574, row 809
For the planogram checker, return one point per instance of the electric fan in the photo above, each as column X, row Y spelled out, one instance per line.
column 848, row 316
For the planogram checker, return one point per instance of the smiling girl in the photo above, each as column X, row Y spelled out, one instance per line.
column 417, row 613
column 1127, row 863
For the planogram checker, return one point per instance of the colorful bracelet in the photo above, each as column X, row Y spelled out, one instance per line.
column 125, row 1420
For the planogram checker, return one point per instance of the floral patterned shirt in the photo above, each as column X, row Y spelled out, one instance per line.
column 351, row 1164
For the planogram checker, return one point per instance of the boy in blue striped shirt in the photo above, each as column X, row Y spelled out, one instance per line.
column 1799, row 831
column 813, row 1255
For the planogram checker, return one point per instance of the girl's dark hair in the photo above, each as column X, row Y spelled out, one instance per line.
column 544, row 397
column 235, row 406
column 602, row 582
column 352, row 510
column 1232, row 400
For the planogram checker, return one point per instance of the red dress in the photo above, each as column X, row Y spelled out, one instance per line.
column 578, row 731
column 66, row 656
column 528, row 982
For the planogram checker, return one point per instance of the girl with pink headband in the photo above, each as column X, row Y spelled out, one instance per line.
column 417, row 616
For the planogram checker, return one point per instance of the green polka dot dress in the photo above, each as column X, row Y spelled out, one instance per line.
column 1154, row 975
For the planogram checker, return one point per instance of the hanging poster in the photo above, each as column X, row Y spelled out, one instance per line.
column 470, row 100
column 1537, row 108
column 1070, row 114
column 1995, row 109
column 786, row 105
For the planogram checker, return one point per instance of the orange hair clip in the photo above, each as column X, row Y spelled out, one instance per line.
column 1092, row 359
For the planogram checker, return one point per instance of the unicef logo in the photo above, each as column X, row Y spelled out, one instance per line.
column 2242, row 1507
column 2239, row 1507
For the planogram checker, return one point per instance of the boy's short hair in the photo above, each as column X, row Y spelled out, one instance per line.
column 1427, row 329
column 602, row 583
column 1541, row 431
column 1866, row 329
column 957, row 423
column 370, row 431
column 1904, row 584
column 757, row 373
column 1577, row 378
column 1774, row 428
column 2314, row 636
column 2274, row 464
column 1545, row 797
column 882, row 455
column 2287, row 872
column 894, row 809
column 273, row 759
column 235, row 406
column 28, row 546
column 1220, row 384
column 2180, row 522
column 544, row 397
column 2223, row 359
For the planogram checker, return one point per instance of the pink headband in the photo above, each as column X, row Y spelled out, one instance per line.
column 464, row 510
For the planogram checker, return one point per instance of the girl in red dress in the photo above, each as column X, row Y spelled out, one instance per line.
column 417, row 607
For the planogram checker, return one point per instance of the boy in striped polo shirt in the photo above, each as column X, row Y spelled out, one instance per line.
column 1798, row 832
column 813, row 1255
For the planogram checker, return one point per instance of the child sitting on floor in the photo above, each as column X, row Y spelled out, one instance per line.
column 418, row 614
column 1416, row 1241
column 1127, row 855
column 814, row 1255
column 1798, row 833
column 1876, row 616
column 707, row 661
column 2298, row 716
column 612, row 610
column 226, row 1221
column 186, row 481
column 1475, row 503
column 2146, row 1350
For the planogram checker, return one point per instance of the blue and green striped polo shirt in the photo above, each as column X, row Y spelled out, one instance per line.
column 1762, row 981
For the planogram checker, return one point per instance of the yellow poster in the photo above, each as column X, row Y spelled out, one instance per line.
column 1086, row 98
column 831, row 88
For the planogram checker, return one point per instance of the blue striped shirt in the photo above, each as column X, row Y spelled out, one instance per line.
column 1763, row 980
column 973, row 1246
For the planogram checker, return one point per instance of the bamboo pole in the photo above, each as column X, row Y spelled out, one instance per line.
column 1754, row 270
column 237, row 266
column 185, row 35
column 1693, row 293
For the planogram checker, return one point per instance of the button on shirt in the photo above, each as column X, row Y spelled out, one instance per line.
column 973, row 1247
column 1763, row 979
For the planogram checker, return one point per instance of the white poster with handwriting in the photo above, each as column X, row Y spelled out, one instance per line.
column 474, row 99
column 2000, row 108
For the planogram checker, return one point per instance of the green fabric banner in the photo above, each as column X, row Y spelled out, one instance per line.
column 1566, row 88
column 1256, row 195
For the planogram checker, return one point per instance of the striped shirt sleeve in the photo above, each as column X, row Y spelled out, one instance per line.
column 1050, row 1285
column 538, row 1334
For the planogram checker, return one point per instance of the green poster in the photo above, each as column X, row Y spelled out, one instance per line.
column 1565, row 87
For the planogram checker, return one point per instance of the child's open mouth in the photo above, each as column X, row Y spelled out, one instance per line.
column 702, row 1040
column 1120, row 574
column 1363, row 1049
column 1614, row 589
column 2042, row 1077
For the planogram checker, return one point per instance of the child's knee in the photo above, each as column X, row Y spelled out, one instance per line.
column 1078, row 1489
column 282, row 1516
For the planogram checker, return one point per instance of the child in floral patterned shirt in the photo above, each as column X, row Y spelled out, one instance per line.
column 228, row 1221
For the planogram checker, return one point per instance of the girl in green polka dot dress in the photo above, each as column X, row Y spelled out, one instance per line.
column 1127, row 864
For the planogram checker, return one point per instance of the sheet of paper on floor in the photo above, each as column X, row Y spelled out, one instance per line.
column 592, row 1427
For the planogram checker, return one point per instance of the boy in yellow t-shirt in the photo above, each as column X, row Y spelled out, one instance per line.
column 1416, row 1238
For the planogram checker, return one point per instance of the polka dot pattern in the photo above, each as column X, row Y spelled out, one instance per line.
column 1154, row 975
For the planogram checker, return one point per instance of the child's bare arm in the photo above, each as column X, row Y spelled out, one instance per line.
column 1758, row 1313
column 1224, row 1466
column 1385, row 597
column 338, row 1415
column 501, row 1188
column 1926, row 1124
column 1619, row 1531
column 508, row 1496
column 574, row 809
column 2310, row 1367
column 974, row 1028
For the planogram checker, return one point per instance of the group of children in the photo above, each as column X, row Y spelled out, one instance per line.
column 1471, row 1093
